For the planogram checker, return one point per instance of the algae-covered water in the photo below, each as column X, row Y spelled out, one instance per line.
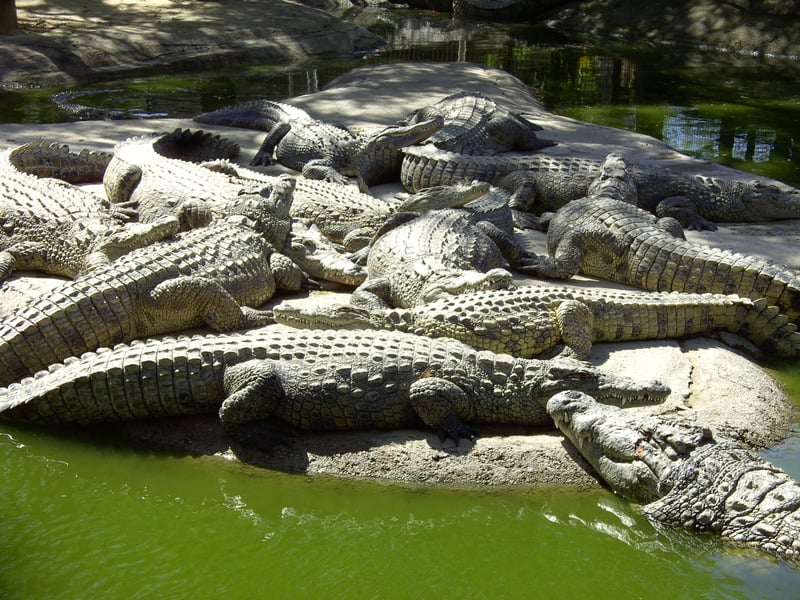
column 80, row 517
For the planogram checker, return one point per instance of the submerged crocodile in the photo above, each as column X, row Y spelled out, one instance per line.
column 683, row 475
column 553, row 181
column 322, row 150
column 209, row 276
column 605, row 238
column 444, row 252
column 183, row 174
column 475, row 124
column 529, row 320
column 313, row 380
column 50, row 225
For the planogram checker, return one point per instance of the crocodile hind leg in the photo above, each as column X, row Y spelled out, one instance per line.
column 7, row 264
column 189, row 297
column 433, row 400
column 288, row 276
column 263, row 157
column 575, row 321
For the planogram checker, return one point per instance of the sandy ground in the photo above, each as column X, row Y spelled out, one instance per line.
column 66, row 41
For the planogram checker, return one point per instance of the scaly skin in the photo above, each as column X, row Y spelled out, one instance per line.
column 161, row 175
column 322, row 150
column 475, row 124
column 694, row 200
column 49, row 225
column 439, row 253
column 685, row 477
column 351, row 218
column 605, row 238
column 209, row 276
column 530, row 320
column 313, row 380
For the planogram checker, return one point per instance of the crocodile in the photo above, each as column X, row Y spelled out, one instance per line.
column 312, row 380
column 351, row 218
column 184, row 174
column 683, row 476
column 475, row 124
column 528, row 320
column 48, row 224
column 317, row 256
column 211, row 276
column 549, row 182
column 322, row 150
column 608, row 239
column 443, row 252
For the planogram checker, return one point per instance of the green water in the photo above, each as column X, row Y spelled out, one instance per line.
column 82, row 520
column 80, row 517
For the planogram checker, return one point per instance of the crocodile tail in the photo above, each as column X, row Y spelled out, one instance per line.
column 259, row 114
column 77, row 317
column 45, row 158
column 764, row 325
column 195, row 146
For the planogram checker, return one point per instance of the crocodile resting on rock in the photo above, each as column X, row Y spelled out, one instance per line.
column 209, row 276
column 529, row 320
column 685, row 477
column 312, row 380
column 183, row 174
column 47, row 224
column 553, row 181
column 322, row 150
column 351, row 218
column 475, row 124
column 604, row 237
column 443, row 252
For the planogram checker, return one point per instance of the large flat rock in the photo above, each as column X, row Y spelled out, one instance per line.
column 711, row 383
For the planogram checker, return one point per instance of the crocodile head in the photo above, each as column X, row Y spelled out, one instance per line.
column 444, row 196
column 633, row 453
column 453, row 282
column 265, row 208
column 759, row 200
column 323, row 317
column 398, row 136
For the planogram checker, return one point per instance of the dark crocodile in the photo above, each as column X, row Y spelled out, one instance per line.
column 183, row 174
column 696, row 201
column 313, row 380
column 50, row 225
column 683, row 475
column 529, row 320
column 210, row 276
column 322, row 150
column 475, row 124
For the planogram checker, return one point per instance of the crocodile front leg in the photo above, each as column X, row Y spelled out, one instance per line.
column 192, row 298
column 434, row 400
column 564, row 263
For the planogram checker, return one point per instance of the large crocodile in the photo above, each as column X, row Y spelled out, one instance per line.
column 694, row 200
column 684, row 476
column 181, row 174
column 603, row 237
column 475, row 124
column 209, row 276
column 351, row 218
column 314, row 380
column 50, row 225
column 439, row 253
column 322, row 150
column 529, row 320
